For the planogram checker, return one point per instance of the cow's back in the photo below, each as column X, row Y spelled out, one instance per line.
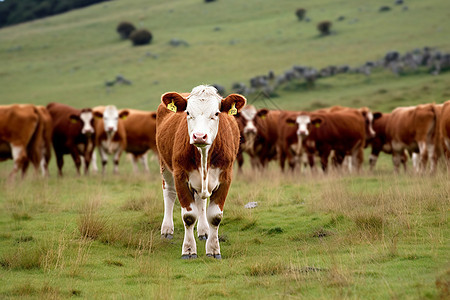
column 18, row 123
column 341, row 129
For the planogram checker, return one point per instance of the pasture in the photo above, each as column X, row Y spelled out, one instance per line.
column 370, row 235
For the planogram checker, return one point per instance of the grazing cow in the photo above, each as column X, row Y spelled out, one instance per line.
column 73, row 133
column 258, row 129
column 110, row 135
column 342, row 131
column 20, row 127
column 444, row 128
column 140, row 127
column 198, row 140
column 413, row 129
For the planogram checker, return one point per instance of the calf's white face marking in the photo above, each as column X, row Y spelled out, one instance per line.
column 249, row 114
column 86, row 118
column 110, row 119
column 203, row 109
column 302, row 122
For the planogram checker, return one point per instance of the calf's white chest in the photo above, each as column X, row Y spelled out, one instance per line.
column 211, row 180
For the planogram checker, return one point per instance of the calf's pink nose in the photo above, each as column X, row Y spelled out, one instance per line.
column 199, row 137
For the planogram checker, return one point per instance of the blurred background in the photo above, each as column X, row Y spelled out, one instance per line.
column 280, row 54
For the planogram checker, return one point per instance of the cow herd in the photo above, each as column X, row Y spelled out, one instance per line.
column 28, row 133
column 340, row 134
column 198, row 136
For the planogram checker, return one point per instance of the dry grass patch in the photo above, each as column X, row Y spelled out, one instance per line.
column 23, row 258
column 27, row 290
column 90, row 224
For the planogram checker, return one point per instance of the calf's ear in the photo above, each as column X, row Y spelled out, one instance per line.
column 262, row 113
column 174, row 101
column 74, row 118
column 291, row 121
column 233, row 104
column 124, row 114
column 98, row 115
column 377, row 115
column 317, row 121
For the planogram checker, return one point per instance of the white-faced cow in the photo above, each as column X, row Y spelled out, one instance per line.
column 342, row 131
column 110, row 135
column 258, row 129
column 197, row 139
column 73, row 133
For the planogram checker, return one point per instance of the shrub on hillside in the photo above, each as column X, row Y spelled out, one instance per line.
column 141, row 37
column 324, row 27
column 300, row 13
column 125, row 29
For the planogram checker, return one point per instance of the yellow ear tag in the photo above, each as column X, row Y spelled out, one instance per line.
column 171, row 106
column 233, row 110
column 317, row 125
column 73, row 121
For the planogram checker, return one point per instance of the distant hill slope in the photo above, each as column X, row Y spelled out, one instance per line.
column 69, row 57
column 18, row 11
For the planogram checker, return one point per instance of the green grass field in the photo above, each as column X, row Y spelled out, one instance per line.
column 339, row 236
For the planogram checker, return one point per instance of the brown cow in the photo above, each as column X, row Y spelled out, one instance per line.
column 140, row 127
column 379, row 142
column 110, row 135
column 73, row 133
column 197, row 140
column 413, row 129
column 20, row 136
column 340, row 131
column 290, row 132
column 444, row 126
column 258, row 130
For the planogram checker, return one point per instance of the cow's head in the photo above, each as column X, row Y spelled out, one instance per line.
column 303, row 123
column 111, row 118
column 368, row 118
column 202, row 108
column 86, row 118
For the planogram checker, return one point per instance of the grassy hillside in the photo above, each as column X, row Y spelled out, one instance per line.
column 68, row 58
column 336, row 236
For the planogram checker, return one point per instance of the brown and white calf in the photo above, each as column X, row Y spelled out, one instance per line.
column 110, row 137
column 198, row 140
column 73, row 133
column 343, row 132
column 258, row 129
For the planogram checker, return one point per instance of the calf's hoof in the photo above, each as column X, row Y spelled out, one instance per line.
column 189, row 256
column 167, row 236
column 216, row 256
column 203, row 237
